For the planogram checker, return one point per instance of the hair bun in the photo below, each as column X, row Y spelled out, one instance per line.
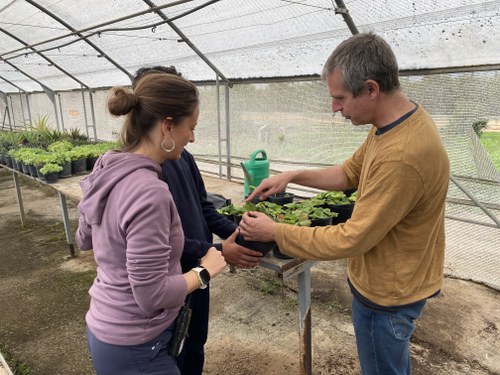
column 122, row 101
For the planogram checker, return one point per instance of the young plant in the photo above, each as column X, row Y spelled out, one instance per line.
column 50, row 168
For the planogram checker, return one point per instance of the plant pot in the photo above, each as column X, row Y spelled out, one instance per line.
column 32, row 170
column 237, row 218
column 281, row 198
column 8, row 161
column 90, row 163
column 263, row 247
column 66, row 170
column 322, row 222
column 278, row 254
column 79, row 166
column 50, row 178
column 38, row 174
column 344, row 211
column 2, row 159
column 349, row 192
column 24, row 168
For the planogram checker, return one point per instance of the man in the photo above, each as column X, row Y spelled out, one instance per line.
column 394, row 240
column 199, row 220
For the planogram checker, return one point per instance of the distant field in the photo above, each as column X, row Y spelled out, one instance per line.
column 491, row 142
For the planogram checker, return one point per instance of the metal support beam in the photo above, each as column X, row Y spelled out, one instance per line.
column 304, row 284
column 67, row 225
column 219, row 128
column 228, row 131
column 476, row 201
column 50, row 61
column 69, row 27
column 186, row 39
column 342, row 10
column 19, row 196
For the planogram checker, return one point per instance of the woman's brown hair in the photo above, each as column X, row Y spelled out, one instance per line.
column 155, row 97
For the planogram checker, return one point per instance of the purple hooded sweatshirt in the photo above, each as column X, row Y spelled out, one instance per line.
column 129, row 219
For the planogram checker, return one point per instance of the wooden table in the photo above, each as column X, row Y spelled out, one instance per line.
column 69, row 188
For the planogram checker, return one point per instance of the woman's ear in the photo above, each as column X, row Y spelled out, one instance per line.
column 167, row 125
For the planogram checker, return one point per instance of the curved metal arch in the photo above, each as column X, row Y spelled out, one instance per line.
column 185, row 39
column 69, row 27
column 44, row 57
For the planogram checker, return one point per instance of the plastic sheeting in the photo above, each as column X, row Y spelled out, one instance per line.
column 100, row 42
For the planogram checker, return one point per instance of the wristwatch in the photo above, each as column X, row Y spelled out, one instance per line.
column 203, row 276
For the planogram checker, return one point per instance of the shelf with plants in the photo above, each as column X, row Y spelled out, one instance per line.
column 29, row 150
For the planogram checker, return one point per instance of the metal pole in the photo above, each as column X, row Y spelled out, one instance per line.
column 342, row 10
column 476, row 201
column 85, row 112
column 219, row 137
column 60, row 110
column 92, row 113
column 67, row 225
column 304, row 284
column 228, row 131
column 19, row 197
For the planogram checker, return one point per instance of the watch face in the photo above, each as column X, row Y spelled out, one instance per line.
column 205, row 276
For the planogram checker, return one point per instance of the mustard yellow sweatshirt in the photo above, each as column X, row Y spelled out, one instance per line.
column 394, row 240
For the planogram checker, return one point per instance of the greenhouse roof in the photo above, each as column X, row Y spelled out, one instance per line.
column 67, row 44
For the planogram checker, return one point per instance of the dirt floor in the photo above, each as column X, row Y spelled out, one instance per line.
column 254, row 315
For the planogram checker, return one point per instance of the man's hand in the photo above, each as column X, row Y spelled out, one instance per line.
column 257, row 226
column 237, row 255
column 271, row 185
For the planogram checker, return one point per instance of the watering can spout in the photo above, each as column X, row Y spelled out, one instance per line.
column 248, row 177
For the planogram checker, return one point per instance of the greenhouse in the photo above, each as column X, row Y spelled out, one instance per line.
column 257, row 66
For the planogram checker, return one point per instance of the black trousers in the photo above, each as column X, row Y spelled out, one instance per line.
column 192, row 357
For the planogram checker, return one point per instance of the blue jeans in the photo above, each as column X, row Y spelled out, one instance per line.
column 383, row 338
column 150, row 358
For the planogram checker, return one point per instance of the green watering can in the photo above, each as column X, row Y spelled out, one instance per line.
column 255, row 170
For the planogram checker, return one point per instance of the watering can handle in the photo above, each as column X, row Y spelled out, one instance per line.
column 254, row 155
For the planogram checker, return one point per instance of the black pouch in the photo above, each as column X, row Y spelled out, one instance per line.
column 180, row 331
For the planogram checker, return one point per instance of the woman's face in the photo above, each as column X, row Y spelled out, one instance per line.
column 183, row 133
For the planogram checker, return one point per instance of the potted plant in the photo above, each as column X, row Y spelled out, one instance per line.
column 50, row 172
column 235, row 213
column 44, row 158
column 78, row 157
column 336, row 201
column 281, row 198
column 232, row 212
column 30, row 159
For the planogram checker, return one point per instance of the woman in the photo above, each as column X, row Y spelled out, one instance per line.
column 129, row 219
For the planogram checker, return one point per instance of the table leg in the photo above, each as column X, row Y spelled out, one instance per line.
column 304, row 284
column 67, row 225
column 19, row 197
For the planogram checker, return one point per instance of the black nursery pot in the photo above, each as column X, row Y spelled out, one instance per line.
column 263, row 247
column 322, row 222
column 281, row 198
column 51, row 177
column 344, row 211
column 90, row 163
column 79, row 166
column 66, row 170
column 278, row 254
column 32, row 170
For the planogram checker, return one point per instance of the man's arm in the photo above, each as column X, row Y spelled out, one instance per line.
column 330, row 178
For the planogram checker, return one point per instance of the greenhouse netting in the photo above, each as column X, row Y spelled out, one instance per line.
column 257, row 65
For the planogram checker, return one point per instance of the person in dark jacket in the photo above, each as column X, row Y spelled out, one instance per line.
column 200, row 221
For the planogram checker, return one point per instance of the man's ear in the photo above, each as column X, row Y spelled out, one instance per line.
column 373, row 88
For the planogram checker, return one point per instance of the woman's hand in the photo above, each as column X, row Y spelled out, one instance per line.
column 213, row 261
